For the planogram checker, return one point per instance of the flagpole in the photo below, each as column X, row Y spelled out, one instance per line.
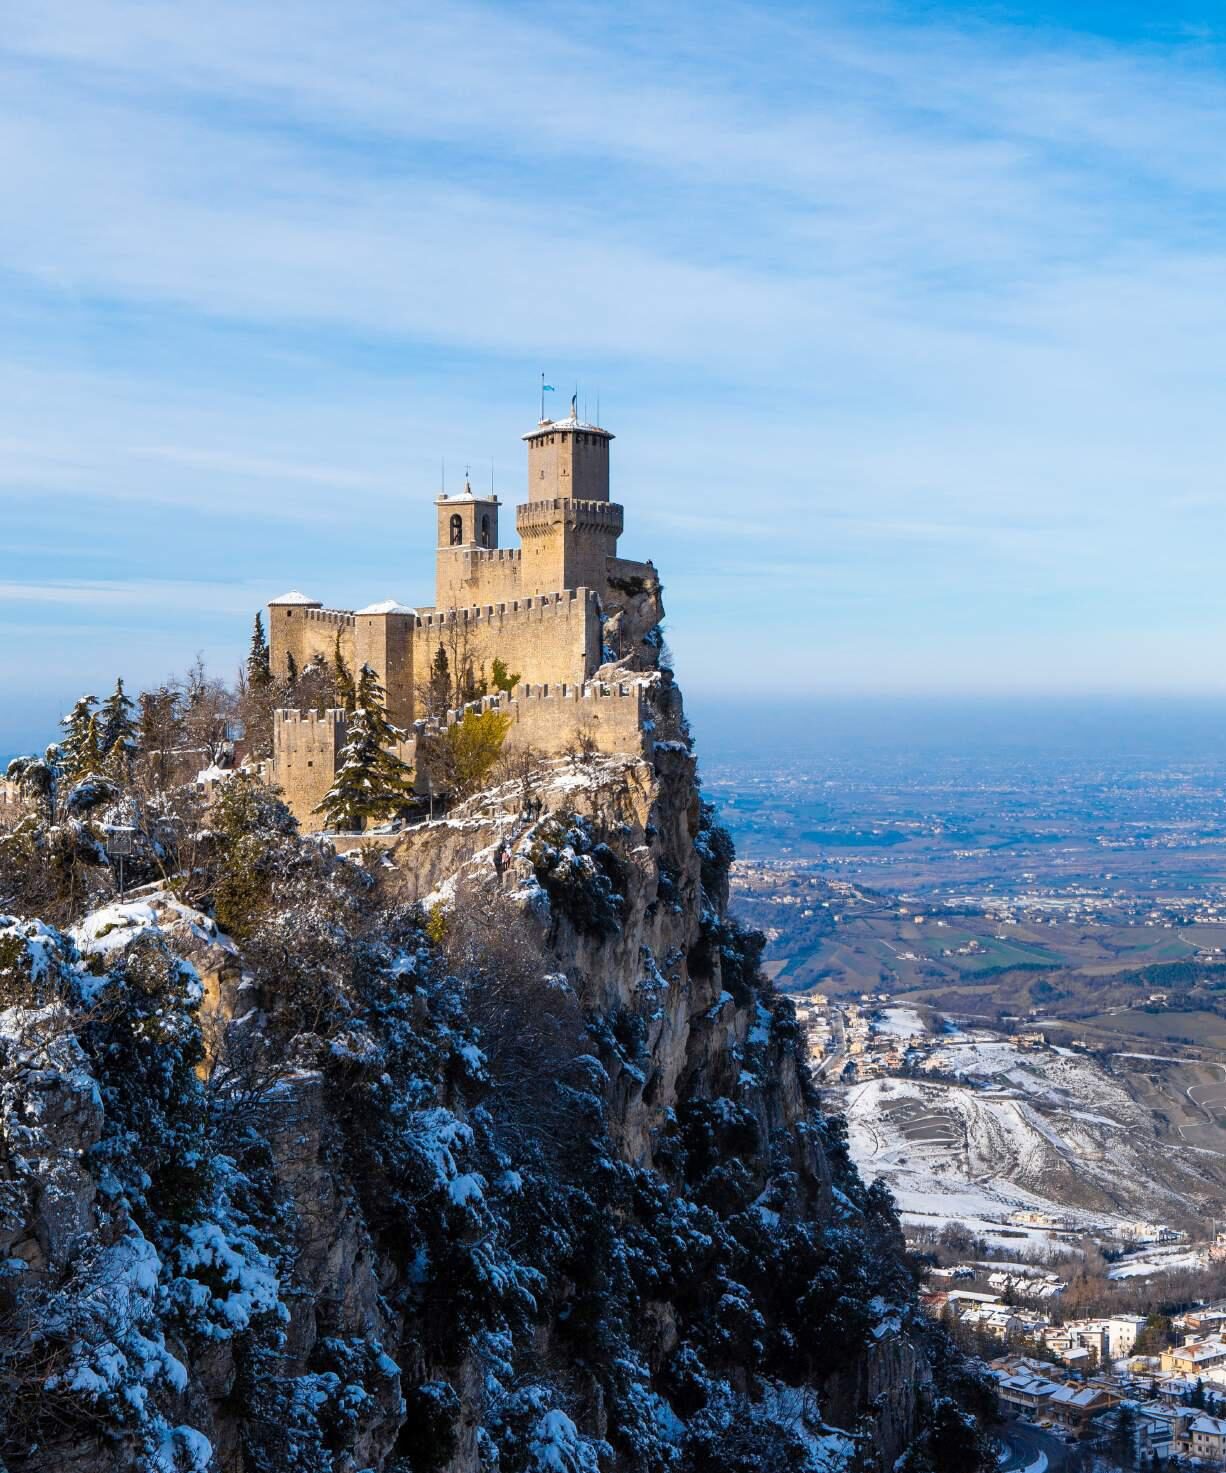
column 542, row 395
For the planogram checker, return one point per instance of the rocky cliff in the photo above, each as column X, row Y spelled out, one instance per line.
column 411, row 1160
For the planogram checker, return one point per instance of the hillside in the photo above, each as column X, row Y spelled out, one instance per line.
column 384, row 1160
column 998, row 1133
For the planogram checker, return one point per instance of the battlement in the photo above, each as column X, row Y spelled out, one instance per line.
column 536, row 518
column 310, row 723
column 569, row 601
column 334, row 618
column 551, row 718
column 489, row 554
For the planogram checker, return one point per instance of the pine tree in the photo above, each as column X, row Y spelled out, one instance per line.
column 437, row 690
column 75, row 746
column 370, row 783
column 372, row 699
column 346, row 695
column 291, row 671
column 117, row 723
column 37, row 777
column 259, row 665
column 89, row 757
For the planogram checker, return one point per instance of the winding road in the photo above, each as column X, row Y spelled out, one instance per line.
column 1028, row 1448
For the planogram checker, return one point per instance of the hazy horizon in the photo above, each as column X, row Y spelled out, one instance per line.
column 783, row 730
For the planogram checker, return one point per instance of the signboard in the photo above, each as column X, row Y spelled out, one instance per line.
column 120, row 842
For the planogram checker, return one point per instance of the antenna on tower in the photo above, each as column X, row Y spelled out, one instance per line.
column 491, row 477
column 442, row 485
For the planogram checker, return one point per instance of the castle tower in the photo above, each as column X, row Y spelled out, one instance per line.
column 467, row 529
column 567, row 458
column 467, row 520
column 568, row 526
column 383, row 639
column 289, row 632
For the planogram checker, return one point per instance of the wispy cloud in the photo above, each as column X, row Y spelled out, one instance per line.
column 907, row 313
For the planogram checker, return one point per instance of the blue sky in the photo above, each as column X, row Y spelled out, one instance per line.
column 909, row 319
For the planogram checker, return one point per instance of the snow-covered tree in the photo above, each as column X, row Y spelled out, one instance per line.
column 37, row 777
column 89, row 755
column 371, row 698
column 370, row 783
column 80, row 746
column 117, row 723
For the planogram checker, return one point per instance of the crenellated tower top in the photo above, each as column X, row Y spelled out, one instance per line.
column 568, row 457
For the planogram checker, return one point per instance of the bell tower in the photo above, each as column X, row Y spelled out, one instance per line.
column 467, row 520
column 467, row 528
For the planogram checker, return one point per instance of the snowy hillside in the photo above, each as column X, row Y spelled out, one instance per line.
column 1026, row 1132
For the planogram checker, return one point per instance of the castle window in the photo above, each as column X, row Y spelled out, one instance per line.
column 457, row 530
column 485, row 531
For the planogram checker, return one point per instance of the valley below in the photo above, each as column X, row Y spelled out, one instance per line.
column 1010, row 964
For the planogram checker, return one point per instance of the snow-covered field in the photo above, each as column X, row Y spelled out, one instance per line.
column 1023, row 1131
column 1160, row 1261
column 899, row 1023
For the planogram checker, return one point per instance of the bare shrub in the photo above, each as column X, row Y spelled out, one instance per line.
column 529, row 1020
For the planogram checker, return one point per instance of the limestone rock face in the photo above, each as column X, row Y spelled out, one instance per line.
column 632, row 614
column 50, row 1117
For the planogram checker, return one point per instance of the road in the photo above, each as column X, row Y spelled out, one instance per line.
column 1026, row 1443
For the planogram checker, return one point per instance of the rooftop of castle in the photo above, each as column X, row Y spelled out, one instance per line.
column 388, row 606
column 565, row 426
column 468, row 494
column 294, row 597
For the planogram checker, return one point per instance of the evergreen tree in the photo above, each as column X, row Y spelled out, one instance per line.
column 117, row 764
column 291, row 671
column 372, row 699
column 500, row 679
column 76, row 745
column 117, row 723
column 259, row 666
column 37, row 778
column 89, row 757
column 370, row 783
column 437, row 690
column 1124, row 1437
column 346, row 694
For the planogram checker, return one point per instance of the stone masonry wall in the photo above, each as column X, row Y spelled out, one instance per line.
column 305, row 745
column 547, row 719
column 472, row 575
column 549, row 639
column 306, row 632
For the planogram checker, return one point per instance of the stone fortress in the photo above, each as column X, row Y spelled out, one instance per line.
column 576, row 622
